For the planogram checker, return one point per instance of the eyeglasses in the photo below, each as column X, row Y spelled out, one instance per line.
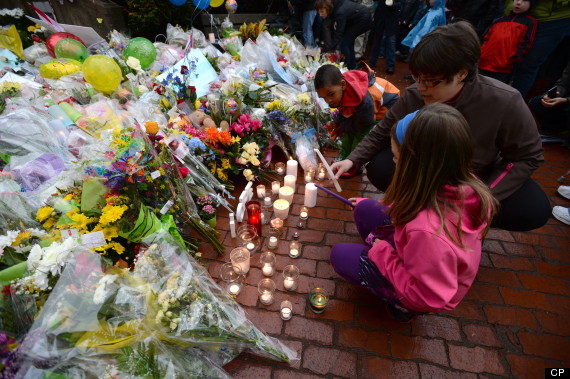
column 428, row 83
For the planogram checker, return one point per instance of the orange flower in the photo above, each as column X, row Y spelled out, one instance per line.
column 151, row 127
column 225, row 137
column 212, row 134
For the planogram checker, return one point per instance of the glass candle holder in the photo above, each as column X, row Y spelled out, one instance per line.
column 309, row 175
column 277, row 223
column 273, row 240
column 318, row 300
column 253, row 208
column 290, row 277
column 267, row 261
column 266, row 288
column 240, row 257
column 275, row 187
column 248, row 238
column 280, row 168
column 286, row 310
column 233, row 278
column 304, row 213
column 294, row 249
column 260, row 189
column 321, row 172
column 281, row 208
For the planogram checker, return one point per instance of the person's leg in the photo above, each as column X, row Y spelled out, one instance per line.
column 381, row 169
column 346, row 145
column 390, row 53
column 347, row 49
column 345, row 259
column 308, row 19
column 526, row 209
column 368, row 215
column 548, row 35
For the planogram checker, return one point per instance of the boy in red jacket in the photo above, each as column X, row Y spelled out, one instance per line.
column 506, row 41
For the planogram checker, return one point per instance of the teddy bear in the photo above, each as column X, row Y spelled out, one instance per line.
column 201, row 119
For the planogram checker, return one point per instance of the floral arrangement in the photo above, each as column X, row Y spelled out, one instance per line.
column 206, row 207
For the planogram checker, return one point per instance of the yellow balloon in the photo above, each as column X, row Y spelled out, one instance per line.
column 216, row 3
column 57, row 68
column 102, row 72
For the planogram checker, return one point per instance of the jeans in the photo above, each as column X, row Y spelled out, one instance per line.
column 347, row 49
column 308, row 20
column 548, row 35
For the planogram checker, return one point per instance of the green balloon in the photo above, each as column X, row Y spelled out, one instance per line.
column 70, row 48
column 142, row 49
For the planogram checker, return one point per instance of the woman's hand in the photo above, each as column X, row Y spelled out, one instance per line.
column 341, row 167
column 353, row 200
column 550, row 103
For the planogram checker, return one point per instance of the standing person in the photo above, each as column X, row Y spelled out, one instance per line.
column 422, row 252
column 361, row 41
column 553, row 18
column 350, row 19
column 385, row 26
column 308, row 14
column 507, row 41
column 434, row 17
column 412, row 12
column 507, row 145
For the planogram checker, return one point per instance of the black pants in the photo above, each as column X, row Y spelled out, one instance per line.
column 526, row 209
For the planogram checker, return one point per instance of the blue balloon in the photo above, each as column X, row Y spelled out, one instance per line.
column 178, row 2
column 201, row 4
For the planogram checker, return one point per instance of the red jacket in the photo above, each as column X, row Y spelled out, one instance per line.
column 506, row 41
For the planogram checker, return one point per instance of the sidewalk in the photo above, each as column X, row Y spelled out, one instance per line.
column 514, row 322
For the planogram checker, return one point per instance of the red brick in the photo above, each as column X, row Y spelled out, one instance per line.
column 356, row 294
column 532, row 239
column 525, row 298
column 432, row 350
column 551, row 230
column 306, row 267
column 326, row 270
column 247, row 369
column 556, row 270
column 544, row 345
column 311, row 236
column 336, row 226
column 499, row 234
column 306, row 284
column 248, row 296
column 350, row 228
column 376, row 367
column 485, row 260
column 559, row 255
column 316, row 212
column 476, row 359
column 334, row 238
column 523, row 366
column 321, row 253
column 298, row 301
column 510, row 316
column 307, row 329
column 485, row 293
column 338, row 214
column 519, row 249
column 481, row 335
column 269, row 322
column 336, row 310
column 545, row 284
column 512, row 263
column 500, row 277
column 429, row 371
column 437, row 327
column 562, row 243
column 376, row 317
column 329, row 361
column 468, row 309
column 554, row 323
column 559, row 304
column 492, row 246
column 292, row 374
column 373, row 341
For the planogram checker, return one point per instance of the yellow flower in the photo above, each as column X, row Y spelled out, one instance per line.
column 235, row 139
column 49, row 223
column 111, row 213
column 44, row 213
column 221, row 175
column 303, row 98
column 197, row 104
column 164, row 103
column 31, row 29
column 81, row 220
column 260, row 83
column 225, row 163
column 111, row 232
column 22, row 236
column 275, row 104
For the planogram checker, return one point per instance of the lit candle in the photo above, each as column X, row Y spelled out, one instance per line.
column 292, row 167
column 266, row 298
column 240, row 257
column 290, row 181
column 275, row 187
column 286, row 313
column 308, row 179
column 294, row 253
column 310, row 195
column 288, row 283
column 250, row 246
column 287, row 193
column 260, row 191
column 281, row 208
column 272, row 242
column 268, row 269
column 304, row 214
column 234, row 289
column 277, row 223
column 322, row 174
column 280, row 168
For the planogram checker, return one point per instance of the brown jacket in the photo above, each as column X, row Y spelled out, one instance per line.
column 506, row 142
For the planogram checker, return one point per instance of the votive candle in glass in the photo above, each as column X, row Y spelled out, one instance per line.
column 290, row 277
column 304, row 214
column 309, row 174
column 318, row 300
column 287, row 193
column 248, row 238
column 321, row 172
column 266, row 288
column 280, row 168
column 281, row 208
column 240, row 257
column 260, row 189
column 286, row 310
column 267, row 261
column 253, row 208
column 275, row 187
column 232, row 276
column 277, row 223
column 294, row 249
column 274, row 235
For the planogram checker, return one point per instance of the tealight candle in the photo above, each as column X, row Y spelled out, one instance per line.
column 280, row 168
column 267, row 261
column 286, row 310
column 290, row 275
column 294, row 249
column 304, row 214
column 268, row 269
column 234, row 289
column 309, row 174
column 292, row 167
column 266, row 287
column 287, row 193
column 276, row 223
column 290, row 181
column 281, row 208
column 275, row 187
column 233, row 277
column 260, row 191
column 288, row 283
column 273, row 241
column 321, row 172
column 250, row 246
column 266, row 298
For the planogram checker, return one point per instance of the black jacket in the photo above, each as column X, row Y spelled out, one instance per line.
column 351, row 20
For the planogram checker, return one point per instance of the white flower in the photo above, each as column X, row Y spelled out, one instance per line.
column 254, row 161
column 142, row 89
column 159, row 316
column 34, row 257
column 242, row 161
column 9, row 238
column 99, row 295
column 134, row 63
column 248, row 174
column 173, row 325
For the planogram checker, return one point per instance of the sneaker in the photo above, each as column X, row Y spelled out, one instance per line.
column 400, row 316
column 564, row 191
column 561, row 214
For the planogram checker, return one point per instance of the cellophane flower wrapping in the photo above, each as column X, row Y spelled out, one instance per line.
column 165, row 317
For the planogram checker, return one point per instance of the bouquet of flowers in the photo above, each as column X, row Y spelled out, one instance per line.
column 207, row 209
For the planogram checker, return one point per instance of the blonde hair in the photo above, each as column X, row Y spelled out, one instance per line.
column 437, row 150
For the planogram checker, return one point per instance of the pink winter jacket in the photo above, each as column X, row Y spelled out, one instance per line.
column 429, row 272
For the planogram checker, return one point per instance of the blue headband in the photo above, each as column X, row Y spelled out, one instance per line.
column 403, row 126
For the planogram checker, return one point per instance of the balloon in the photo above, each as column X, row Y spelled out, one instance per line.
column 57, row 68
column 231, row 6
column 54, row 38
column 142, row 49
column 102, row 72
column 216, row 3
column 178, row 2
column 71, row 48
column 231, row 106
column 201, row 4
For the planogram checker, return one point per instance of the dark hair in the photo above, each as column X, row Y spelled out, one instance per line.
column 327, row 75
column 327, row 4
column 437, row 151
column 446, row 51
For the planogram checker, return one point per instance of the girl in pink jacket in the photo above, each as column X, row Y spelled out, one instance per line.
column 423, row 251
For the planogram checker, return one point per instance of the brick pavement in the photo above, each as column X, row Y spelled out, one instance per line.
column 514, row 322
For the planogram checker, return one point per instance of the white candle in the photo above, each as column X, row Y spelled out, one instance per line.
column 310, row 195
column 292, row 167
column 272, row 242
column 288, row 283
column 294, row 253
column 322, row 175
column 287, row 193
column 304, row 215
column 280, row 170
column 261, row 191
column 275, row 187
column 290, row 181
column 286, row 313
column 250, row 246
column 212, row 37
column 267, row 269
column 266, row 298
column 308, row 179
column 234, row 289
column 281, row 208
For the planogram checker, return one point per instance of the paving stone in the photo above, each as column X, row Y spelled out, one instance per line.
column 376, row 367
column 500, row 277
column 372, row 341
column 323, row 361
column 476, row 359
column 513, row 263
column 311, row 330
column 336, row 310
column 554, row 323
column 523, row 366
column 292, row 374
column 545, row 345
column 437, row 327
column 430, row 371
column 481, row 335
column 545, row 284
column 429, row 349
column 522, row 318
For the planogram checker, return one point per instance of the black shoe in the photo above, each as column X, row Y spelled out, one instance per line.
column 399, row 315
column 390, row 71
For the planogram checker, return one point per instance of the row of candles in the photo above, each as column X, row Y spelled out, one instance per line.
column 249, row 235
